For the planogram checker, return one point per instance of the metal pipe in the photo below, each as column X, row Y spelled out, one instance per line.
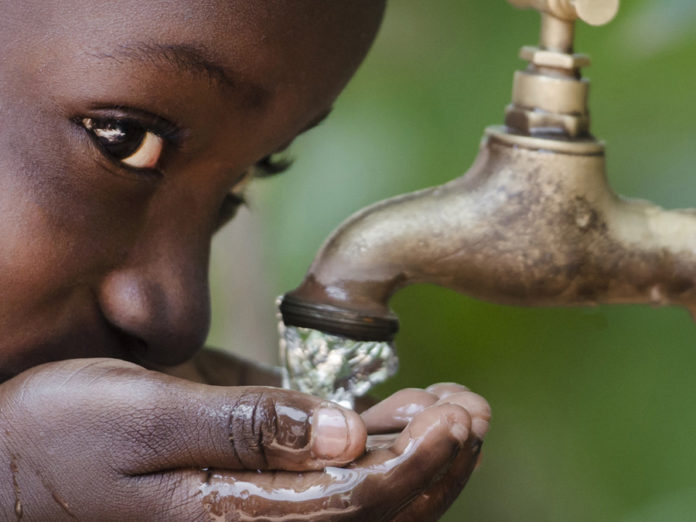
column 522, row 227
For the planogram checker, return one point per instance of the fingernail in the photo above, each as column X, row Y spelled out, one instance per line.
column 331, row 435
column 479, row 427
column 459, row 431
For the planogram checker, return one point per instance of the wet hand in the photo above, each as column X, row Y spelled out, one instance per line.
column 101, row 439
column 412, row 475
column 412, row 405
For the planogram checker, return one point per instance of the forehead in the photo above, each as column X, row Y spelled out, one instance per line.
column 237, row 19
column 228, row 27
column 265, row 43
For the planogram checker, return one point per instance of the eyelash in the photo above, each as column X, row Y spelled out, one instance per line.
column 272, row 165
column 267, row 166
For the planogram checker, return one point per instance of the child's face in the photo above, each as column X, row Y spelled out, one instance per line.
column 125, row 127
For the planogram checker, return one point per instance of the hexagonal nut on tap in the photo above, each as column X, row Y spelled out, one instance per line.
column 546, row 58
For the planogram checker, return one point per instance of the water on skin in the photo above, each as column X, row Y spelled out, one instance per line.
column 333, row 494
column 333, row 367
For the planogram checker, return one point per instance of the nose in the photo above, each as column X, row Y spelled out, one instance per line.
column 161, row 300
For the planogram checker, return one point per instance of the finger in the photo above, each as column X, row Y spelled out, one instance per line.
column 154, row 422
column 437, row 499
column 243, row 495
column 477, row 407
column 443, row 389
column 380, row 441
column 396, row 411
column 433, row 503
column 421, row 454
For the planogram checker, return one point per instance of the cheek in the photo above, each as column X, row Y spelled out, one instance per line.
column 36, row 281
column 56, row 244
column 61, row 225
column 41, row 261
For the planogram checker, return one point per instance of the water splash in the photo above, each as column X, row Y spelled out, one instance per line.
column 333, row 367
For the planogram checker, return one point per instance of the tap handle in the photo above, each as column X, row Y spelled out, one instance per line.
column 593, row 12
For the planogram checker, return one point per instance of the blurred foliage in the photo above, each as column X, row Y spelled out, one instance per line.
column 594, row 409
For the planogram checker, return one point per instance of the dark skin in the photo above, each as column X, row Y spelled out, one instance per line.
column 129, row 129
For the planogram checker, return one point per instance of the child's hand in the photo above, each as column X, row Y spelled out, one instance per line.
column 411, row 410
column 102, row 439
column 413, row 475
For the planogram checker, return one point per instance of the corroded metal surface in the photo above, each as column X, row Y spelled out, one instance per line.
column 524, row 227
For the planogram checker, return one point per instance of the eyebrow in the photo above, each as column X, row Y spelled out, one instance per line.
column 188, row 59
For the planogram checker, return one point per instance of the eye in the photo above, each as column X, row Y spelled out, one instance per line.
column 127, row 141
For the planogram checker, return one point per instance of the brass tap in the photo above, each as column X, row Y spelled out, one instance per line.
column 533, row 222
column 550, row 96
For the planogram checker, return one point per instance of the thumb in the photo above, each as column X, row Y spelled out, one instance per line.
column 151, row 422
column 274, row 429
column 251, row 428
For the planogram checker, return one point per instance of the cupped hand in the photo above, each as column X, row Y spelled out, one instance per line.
column 101, row 439
column 412, row 475
column 403, row 408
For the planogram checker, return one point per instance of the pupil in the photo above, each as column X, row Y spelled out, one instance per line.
column 119, row 138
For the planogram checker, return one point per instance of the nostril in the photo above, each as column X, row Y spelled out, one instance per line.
column 133, row 348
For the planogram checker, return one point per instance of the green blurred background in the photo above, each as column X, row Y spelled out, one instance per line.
column 594, row 409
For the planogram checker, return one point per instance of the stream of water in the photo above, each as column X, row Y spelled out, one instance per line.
column 333, row 367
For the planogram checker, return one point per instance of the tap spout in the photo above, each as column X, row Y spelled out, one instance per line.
column 526, row 225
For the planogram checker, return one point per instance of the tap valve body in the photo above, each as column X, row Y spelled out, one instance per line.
column 550, row 96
